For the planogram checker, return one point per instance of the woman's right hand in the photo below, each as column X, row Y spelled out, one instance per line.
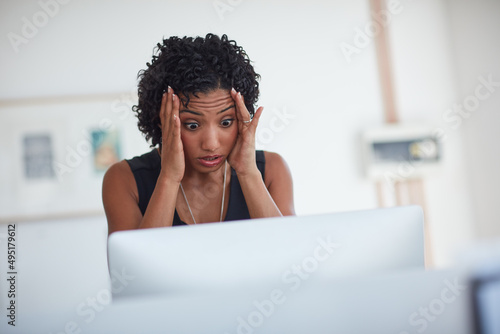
column 172, row 151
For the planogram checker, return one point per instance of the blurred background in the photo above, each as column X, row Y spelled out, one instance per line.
column 68, row 72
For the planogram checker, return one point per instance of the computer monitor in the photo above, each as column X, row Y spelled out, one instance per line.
column 286, row 250
column 485, row 290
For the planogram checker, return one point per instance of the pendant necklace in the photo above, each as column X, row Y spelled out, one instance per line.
column 223, row 195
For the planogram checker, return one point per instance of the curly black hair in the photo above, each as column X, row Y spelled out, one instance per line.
column 190, row 66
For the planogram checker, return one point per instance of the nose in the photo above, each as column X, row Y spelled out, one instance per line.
column 210, row 141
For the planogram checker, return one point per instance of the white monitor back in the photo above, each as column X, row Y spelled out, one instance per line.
column 270, row 251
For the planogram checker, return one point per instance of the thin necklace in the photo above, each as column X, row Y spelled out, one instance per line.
column 223, row 196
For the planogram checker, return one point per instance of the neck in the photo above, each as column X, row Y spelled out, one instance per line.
column 194, row 178
column 223, row 185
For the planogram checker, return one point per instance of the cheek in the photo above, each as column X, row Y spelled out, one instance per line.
column 232, row 136
column 188, row 141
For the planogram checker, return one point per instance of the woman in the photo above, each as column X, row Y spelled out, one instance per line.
column 196, row 104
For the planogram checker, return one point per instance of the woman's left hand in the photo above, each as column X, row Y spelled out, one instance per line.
column 242, row 157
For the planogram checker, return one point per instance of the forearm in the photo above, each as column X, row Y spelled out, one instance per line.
column 259, row 201
column 161, row 207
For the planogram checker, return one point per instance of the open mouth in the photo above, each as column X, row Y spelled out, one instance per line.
column 211, row 160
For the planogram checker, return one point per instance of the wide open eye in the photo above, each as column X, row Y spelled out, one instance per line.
column 191, row 126
column 227, row 122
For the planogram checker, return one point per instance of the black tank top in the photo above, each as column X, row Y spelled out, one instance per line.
column 146, row 169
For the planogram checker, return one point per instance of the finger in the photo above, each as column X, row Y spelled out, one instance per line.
column 168, row 104
column 256, row 117
column 175, row 116
column 244, row 114
column 169, row 115
column 234, row 95
column 162, row 108
column 163, row 122
column 241, row 110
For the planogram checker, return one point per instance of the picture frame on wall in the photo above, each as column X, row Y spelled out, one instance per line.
column 54, row 153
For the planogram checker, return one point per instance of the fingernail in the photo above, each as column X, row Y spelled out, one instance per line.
column 174, row 97
column 233, row 90
column 169, row 89
column 239, row 94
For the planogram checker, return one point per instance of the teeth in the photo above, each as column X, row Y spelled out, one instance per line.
column 210, row 159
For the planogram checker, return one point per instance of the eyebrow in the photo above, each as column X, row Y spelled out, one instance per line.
column 199, row 114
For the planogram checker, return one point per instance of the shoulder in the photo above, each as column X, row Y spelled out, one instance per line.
column 278, row 180
column 276, row 166
column 120, row 198
column 119, row 177
column 268, row 157
column 149, row 160
column 120, row 169
column 273, row 158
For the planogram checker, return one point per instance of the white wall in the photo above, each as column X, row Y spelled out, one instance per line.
column 76, row 186
column 476, row 51
column 296, row 52
column 425, row 76
column 440, row 50
column 97, row 47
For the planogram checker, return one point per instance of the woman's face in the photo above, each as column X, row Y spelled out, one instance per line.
column 208, row 130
